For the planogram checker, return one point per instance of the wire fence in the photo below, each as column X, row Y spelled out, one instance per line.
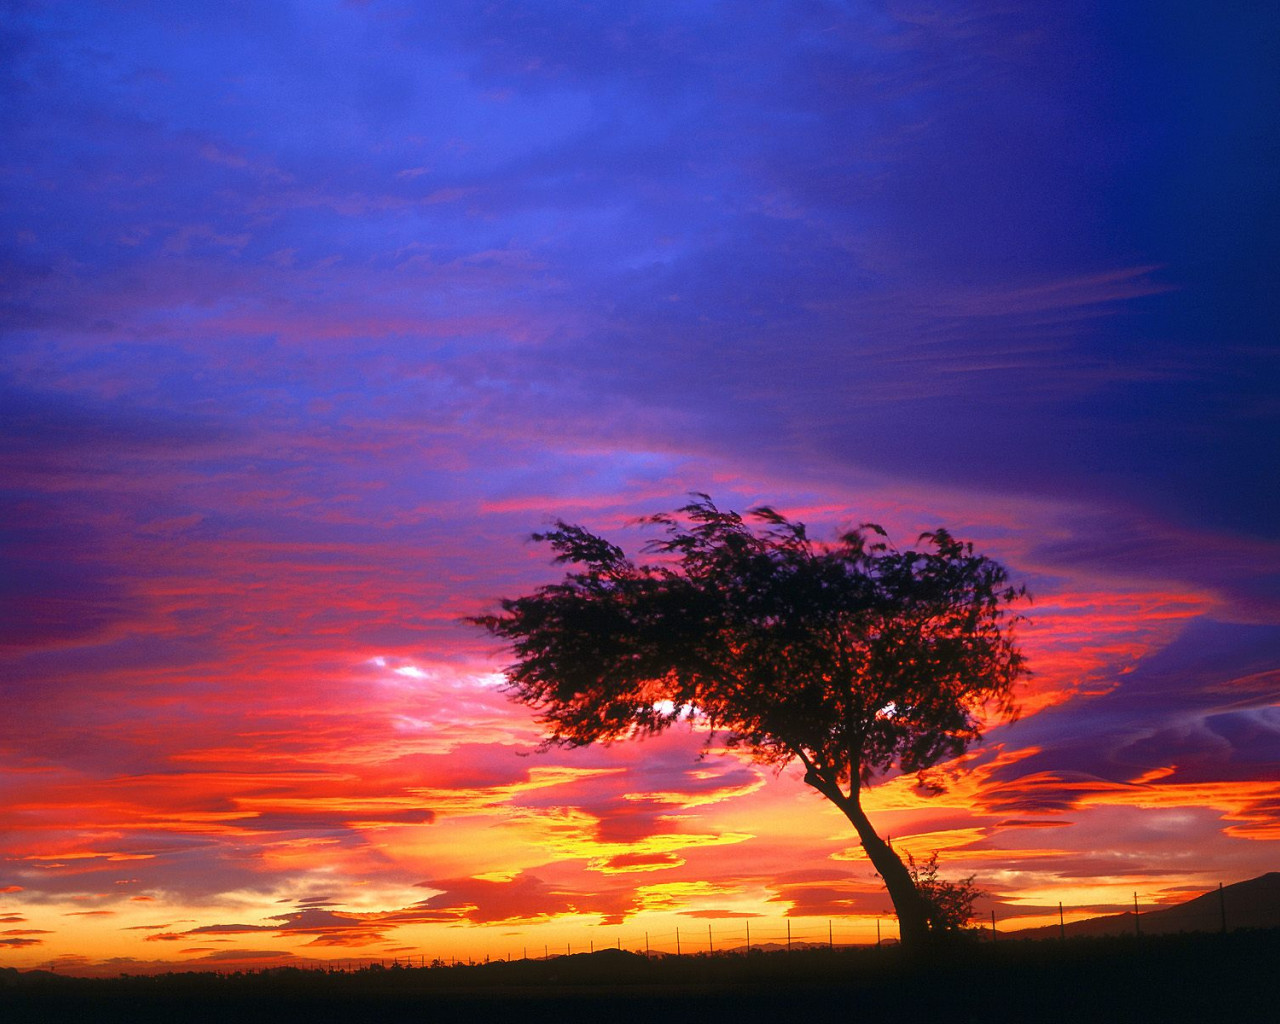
column 711, row 940
column 1212, row 912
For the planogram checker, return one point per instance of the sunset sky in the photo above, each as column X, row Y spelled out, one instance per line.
column 313, row 311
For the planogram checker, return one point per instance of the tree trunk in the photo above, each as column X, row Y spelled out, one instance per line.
column 913, row 921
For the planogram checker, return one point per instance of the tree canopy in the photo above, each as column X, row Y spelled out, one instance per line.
column 852, row 657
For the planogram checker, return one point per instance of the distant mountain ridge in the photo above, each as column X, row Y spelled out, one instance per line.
column 1250, row 904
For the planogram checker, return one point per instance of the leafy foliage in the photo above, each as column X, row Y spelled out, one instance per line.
column 854, row 657
column 949, row 904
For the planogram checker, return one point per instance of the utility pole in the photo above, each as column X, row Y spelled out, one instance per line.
column 646, row 945
column 748, row 936
column 1137, row 924
column 788, row 935
column 677, row 942
column 1062, row 924
column 831, row 942
column 710, row 947
column 1222, row 906
column 993, row 925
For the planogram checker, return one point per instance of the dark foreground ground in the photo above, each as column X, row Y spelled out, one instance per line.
column 1166, row 978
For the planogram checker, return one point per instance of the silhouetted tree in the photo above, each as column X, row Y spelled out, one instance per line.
column 853, row 658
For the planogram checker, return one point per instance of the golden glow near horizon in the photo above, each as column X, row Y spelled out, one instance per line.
column 483, row 848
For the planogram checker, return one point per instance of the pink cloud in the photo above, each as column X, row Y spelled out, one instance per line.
column 525, row 898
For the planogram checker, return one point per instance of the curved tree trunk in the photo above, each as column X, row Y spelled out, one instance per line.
column 913, row 919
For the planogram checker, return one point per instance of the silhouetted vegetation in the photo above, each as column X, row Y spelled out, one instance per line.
column 949, row 904
column 853, row 658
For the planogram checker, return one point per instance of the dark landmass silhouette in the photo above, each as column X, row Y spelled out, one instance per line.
column 1250, row 904
column 1118, row 979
